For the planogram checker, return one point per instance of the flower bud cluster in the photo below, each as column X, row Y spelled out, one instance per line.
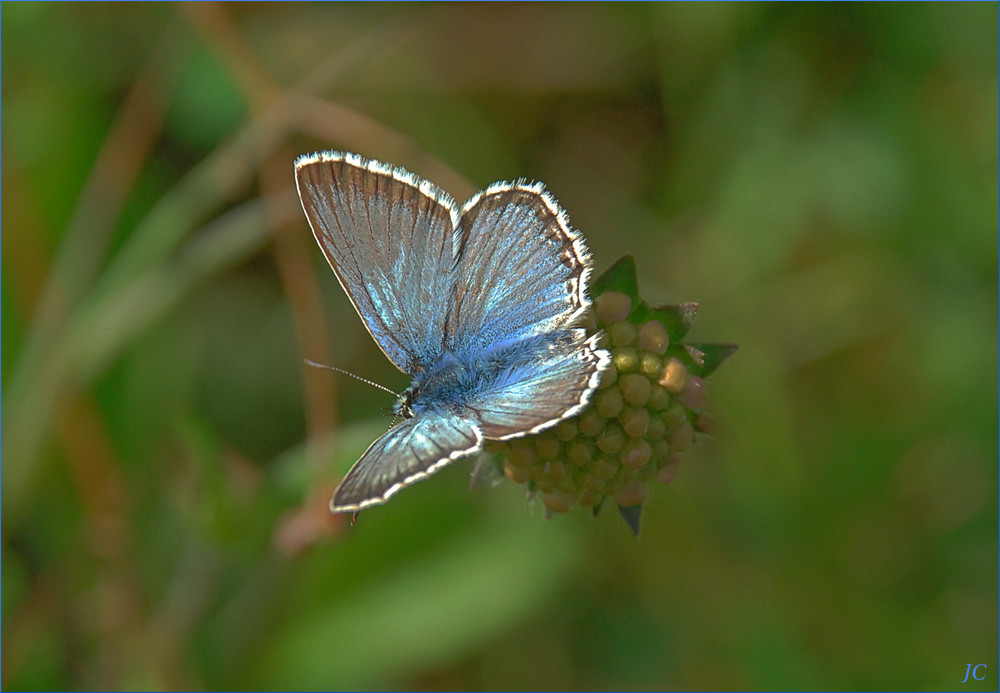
column 647, row 410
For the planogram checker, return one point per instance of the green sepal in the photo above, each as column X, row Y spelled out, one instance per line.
column 631, row 514
column 621, row 277
column 677, row 318
column 712, row 356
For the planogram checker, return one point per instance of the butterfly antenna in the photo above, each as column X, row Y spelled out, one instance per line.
column 356, row 377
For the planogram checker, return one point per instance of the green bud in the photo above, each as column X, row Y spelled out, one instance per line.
column 612, row 306
column 674, row 417
column 605, row 468
column 646, row 409
column 610, row 403
column 631, row 494
column 693, row 395
column 657, row 428
column 660, row 448
column 705, row 423
column 591, row 423
column 559, row 501
column 659, row 398
column 674, row 376
column 612, row 439
column 681, row 437
column 669, row 470
column 548, row 448
column 566, row 430
column 637, row 453
column 622, row 333
column 650, row 365
column 636, row 389
column 580, row 453
column 521, row 457
column 653, row 337
column 555, row 472
column 609, row 377
column 635, row 421
column 518, row 475
column 626, row 359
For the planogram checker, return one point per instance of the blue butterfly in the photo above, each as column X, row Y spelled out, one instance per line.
column 481, row 306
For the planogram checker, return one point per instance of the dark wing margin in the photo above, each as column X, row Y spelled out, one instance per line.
column 389, row 237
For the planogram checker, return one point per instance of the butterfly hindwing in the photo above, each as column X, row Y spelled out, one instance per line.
column 542, row 390
column 409, row 452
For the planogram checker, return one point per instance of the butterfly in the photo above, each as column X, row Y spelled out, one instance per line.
column 481, row 305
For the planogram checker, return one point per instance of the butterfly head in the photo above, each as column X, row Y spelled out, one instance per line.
column 404, row 405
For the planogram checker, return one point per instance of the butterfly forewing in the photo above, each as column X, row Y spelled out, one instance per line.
column 388, row 237
column 521, row 270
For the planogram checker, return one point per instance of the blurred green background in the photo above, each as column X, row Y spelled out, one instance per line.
column 821, row 178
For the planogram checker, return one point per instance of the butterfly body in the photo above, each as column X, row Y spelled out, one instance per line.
column 480, row 305
column 456, row 380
